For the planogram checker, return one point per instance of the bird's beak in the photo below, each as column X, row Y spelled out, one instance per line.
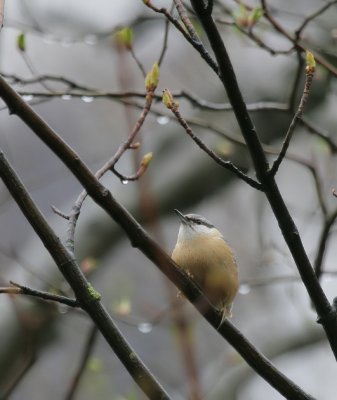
column 181, row 216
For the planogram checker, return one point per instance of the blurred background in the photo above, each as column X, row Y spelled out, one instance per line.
column 76, row 45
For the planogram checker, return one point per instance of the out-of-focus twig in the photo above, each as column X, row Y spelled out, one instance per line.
column 293, row 39
column 329, row 220
column 2, row 13
column 87, row 351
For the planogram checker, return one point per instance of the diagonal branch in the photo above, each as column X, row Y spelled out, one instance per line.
column 297, row 117
column 85, row 294
column 226, row 164
column 197, row 44
column 140, row 239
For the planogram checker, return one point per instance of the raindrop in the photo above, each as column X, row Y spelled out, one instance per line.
column 90, row 40
column 163, row 120
column 87, row 99
column 66, row 97
column 28, row 97
column 145, row 327
column 244, row 289
column 125, row 181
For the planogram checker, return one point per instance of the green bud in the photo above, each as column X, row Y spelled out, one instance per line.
column 168, row 100
column 146, row 160
column 152, row 78
column 310, row 61
column 124, row 38
column 21, row 41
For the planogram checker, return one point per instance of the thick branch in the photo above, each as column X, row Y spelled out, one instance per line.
column 88, row 299
column 140, row 239
column 326, row 315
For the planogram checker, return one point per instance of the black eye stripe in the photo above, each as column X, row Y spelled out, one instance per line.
column 200, row 222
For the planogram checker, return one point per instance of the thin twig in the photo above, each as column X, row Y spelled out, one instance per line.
column 27, row 364
column 86, row 353
column 165, row 40
column 2, row 13
column 298, row 115
column 226, row 164
column 279, row 28
column 109, row 165
column 297, row 80
column 311, row 17
column 138, row 62
column 186, row 21
column 193, row 99
column 196, row 44
column 24, row 290
column 320, row 132
column 60, row 213
column 254, row 37
column 324, row 236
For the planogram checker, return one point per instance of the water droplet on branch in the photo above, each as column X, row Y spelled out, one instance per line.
column 145, row 327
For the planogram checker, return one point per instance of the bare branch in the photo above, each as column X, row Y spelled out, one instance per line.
column 281, row 212
column 85, row 294
column 279, row 28
column 110, row 165
column 24, row 290
column 196, row 44
column 311, row 17
column 298, row 115
column 328, row 223
column 139, row 238
column 88, row 348
column 226, row 164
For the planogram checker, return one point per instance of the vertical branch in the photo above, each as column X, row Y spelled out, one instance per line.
column 326, row 314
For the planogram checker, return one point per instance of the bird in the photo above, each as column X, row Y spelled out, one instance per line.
column 202, row 252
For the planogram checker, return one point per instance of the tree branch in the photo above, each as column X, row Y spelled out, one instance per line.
column 24, row 290
column 85, row 294
column 88, row 348
column 326, row 315
column 140, row 239
column 226, row 164
column 297, row 117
